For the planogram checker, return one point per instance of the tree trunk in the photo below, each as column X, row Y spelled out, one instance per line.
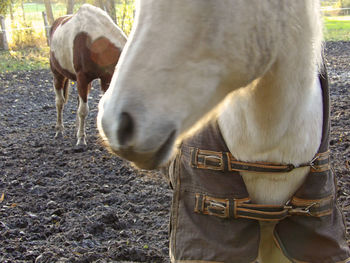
column 100, row 4
column 124, row 14
column 111, row 10
column 47, row 28
column 70, row 7
column 3, row 37
column 108, row 6
column 11, row 10
column 24, row 16
column 49, row 13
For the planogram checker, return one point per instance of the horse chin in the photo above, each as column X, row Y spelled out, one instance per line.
column 142, row 161
column 149, row 160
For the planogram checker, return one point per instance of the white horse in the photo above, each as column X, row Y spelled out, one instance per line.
column 258, row 59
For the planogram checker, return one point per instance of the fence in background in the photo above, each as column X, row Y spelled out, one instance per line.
column 34, row 21
column 335, row 11
column 6, row 30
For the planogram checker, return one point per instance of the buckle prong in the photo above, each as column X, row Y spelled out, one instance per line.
column 312, row 163
column 300, row 210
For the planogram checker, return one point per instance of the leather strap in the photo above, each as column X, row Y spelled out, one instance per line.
column 242, row 208
column 224, row 161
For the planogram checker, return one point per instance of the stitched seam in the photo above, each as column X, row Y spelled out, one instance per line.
column 261, row 165
column 262, row 212
column 301, row 201
column 177, row 201
column 262, row 218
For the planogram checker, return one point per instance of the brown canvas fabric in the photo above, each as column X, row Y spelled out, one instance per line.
column 196, row 236
column 316, row 239
column 205, row 222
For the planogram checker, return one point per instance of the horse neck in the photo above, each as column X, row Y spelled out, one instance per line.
column 278, row 118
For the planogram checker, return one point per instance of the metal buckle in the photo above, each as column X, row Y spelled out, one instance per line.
column 312, row 163
column 217, row 208
column 208, row 157
column 299, row 210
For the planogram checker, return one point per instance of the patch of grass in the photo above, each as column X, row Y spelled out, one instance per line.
column 26, row 59
column 337, row 28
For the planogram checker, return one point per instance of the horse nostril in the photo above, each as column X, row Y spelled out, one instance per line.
column 126, row 129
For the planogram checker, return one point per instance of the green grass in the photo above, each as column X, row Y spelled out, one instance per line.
column 337, row 28
column 27, row 59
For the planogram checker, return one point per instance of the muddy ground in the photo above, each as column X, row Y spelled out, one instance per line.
column 61, row 204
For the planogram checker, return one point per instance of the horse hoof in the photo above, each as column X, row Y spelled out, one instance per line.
column 80, row 148
column 81, row 141
column 58, row 135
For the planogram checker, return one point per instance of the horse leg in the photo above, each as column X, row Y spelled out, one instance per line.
column 105, row 81
column 83, row 90
column 61, row 91
column 269, row 252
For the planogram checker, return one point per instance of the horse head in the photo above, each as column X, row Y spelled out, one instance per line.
column 181, row 60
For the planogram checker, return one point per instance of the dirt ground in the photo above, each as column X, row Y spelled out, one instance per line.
column 61, row 204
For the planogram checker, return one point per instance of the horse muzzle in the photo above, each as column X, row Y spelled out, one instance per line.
column 146, row 143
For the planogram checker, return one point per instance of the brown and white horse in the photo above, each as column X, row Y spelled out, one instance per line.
column 83, row 47
column 258, row 59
